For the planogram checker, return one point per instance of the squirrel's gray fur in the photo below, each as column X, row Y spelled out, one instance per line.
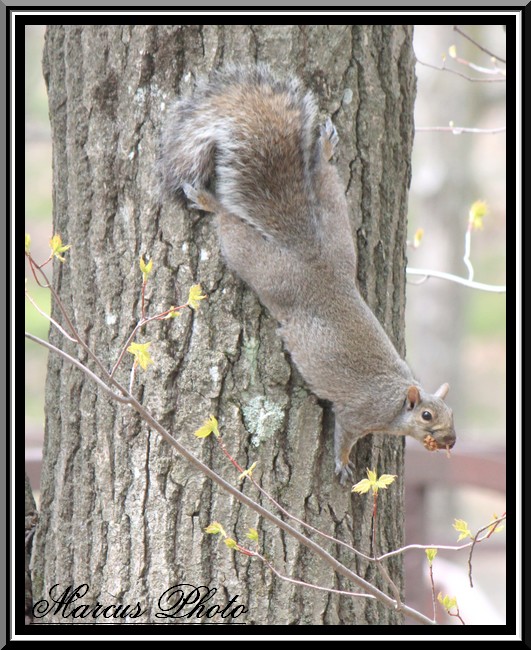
column 247, row 147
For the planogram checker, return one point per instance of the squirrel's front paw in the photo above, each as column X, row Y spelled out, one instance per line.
column 345, row 471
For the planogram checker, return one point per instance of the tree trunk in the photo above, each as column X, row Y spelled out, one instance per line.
column 30, row 516
column 120, row 510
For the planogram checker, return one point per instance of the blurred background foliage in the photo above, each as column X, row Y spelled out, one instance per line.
column 454, row 333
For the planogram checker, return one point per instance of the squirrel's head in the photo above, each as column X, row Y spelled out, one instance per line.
column 428, row 419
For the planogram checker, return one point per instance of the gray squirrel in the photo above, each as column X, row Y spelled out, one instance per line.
column 246, row 147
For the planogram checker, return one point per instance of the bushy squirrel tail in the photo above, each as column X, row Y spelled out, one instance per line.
column 251, row 139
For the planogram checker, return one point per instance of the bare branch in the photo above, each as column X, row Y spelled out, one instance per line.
column 50, row 319
column 308, row 584
column 483, row 49
column 427, row 273
column 460, row 74
column 422, row 547
column 389, row 580
column 309, row 526
column 457, row 130
column 83, row 368
column 433, row 599
column 69, row 323
column 466, row 256
column 442, row 547
column 492, row 527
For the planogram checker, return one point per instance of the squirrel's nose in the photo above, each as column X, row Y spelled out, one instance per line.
column 449, row 439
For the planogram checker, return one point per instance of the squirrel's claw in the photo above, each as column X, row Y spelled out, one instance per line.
column 329, row 139
column 345, row 472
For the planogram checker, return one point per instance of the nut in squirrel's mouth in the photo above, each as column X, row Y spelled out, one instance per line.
column 432, row 445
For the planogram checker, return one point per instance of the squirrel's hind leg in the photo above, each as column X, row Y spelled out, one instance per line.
column 343, row 444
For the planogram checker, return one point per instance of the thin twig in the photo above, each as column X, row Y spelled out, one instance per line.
column 433, row 599
column 132, row 377
column 442, row 547
column 82, row 367
column 479, row 68
column 374, row 552
column 457, row 130
column 492, row 527
column 493, row 288
column 70, row 325
column 141, row 323
column 483, row 49
column 50, row 319
column 285, row 512
column 35, row 267
column 457, row 615
column 309, row 584
column 143, row 307
column 390, row 582
column 466, row 256
column 335, row 564
column 460, row 74
column 228, row 455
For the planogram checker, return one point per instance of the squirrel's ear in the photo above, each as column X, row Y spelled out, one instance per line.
column 413, row 397
column 442, row 391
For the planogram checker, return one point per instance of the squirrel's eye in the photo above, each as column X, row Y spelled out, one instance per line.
column 426, row 415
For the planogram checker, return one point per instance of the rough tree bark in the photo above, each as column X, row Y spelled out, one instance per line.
column 30, row 516
column 120, row 510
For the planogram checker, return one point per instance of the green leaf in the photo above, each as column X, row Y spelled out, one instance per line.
column 385, row 480
column 462, row 528
column 372, row 481
column 247, row 472
column 419, row 234
column 194, row 296
column 28, row 243
column 215, row 528
column 252, row 535
column 172, row 313
column 448, row 602
column 210, row 426
column 362, row 486
column 231, row 543
column 477, row 211
column 58, row 247
column 141, row 354
column 430, row 554
column 146, row 268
